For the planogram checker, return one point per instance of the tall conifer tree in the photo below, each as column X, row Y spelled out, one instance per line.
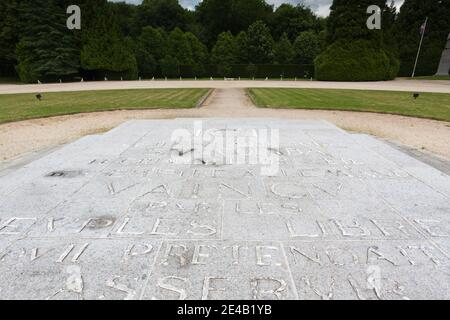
column 354, row 52
column 46, row 48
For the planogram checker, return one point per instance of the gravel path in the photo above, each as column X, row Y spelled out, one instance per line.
column 397, row 85
column 25, row 137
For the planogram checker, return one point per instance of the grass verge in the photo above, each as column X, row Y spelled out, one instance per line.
column 428, row 105
column 432, row 78
column 16, row 107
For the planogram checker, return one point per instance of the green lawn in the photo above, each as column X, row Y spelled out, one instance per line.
column 431, row 78
column 428, row 105
column 15, row 107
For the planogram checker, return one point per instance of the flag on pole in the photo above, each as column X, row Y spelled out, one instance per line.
column 423, row 28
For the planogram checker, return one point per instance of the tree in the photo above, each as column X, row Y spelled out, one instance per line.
column 217, row 16
column 412, row 15
column 306, row 47
column 126, row 18
column 151, row 47
column 260, row 43
column 242, row 48
column 199, row 53
column 170, row 67
column 8, row 36
column 224, row 53
column 247, row 12
column 284, row 51
column 119, row 38
column 179, row 47
column 105, row 49
column 354, row 53
column 292, row 21
column 46, row 48
column 167, row 14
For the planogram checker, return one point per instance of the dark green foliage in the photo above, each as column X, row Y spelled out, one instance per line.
column 284, row 51
column 47, row 48
column 167, row 14
column 354, row 52
column 260, row 43
column 412, row 15
column 306, row 47
column 354, row 61
column 221, row 37
column 170, row 67
column 121, row 40
column 217, row 16
column 242, row 55
column 179, row 47
column 292, row 21
column 272, row 71
column 8, row 36
column 125, row 16
column 151, row 47
column 247, row 12
column 224, row 53
column 200, row 56
column 252, row 70
column 106, row 50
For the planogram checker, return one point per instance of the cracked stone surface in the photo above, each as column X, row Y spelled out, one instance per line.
column 124, row 216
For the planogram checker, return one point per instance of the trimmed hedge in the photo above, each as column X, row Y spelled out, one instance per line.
column 175, row 71
column 241, row 70
column 355, row 61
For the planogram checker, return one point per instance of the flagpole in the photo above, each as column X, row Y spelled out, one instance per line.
column 420, row 47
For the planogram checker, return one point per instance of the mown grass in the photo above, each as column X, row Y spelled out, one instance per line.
column 428, row 105
column 16, row 107
column 431, row 78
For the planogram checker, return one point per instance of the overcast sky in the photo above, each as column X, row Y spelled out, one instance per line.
column 321, row 7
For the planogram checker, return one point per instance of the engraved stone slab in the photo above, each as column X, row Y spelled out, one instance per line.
column 135, row 214
column 220, row 270
column 369, row 270
column 89, row 269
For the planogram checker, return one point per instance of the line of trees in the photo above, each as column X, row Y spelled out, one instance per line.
column 220, row 38
column 156, row 38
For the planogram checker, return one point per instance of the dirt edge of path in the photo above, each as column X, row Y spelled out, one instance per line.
column 19, row 139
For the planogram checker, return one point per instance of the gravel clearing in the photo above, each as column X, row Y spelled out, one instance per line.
column 21, row 138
